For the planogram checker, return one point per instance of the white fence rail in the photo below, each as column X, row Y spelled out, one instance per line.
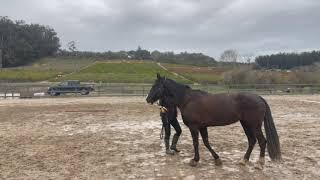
column 31, row 90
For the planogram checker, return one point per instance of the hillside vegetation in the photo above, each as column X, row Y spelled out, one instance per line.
column 288, row 60
column 204, row 75
column 60, row 65
column 25, row 75
column 137, row 71
column 121, row 72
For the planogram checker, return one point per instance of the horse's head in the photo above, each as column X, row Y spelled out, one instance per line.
column 157, row 91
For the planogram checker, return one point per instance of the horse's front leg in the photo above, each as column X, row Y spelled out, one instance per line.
column 204, row 135
column 195, row 139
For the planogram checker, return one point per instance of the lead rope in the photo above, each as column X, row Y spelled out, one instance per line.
column 161, row 133
column 162, row 109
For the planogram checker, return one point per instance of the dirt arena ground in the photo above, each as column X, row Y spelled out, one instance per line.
column 118, row 138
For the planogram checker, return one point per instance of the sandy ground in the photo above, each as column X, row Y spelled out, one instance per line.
column 118, row 138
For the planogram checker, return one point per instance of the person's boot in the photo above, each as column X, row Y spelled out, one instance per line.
column 174, row 143
column 168, row 150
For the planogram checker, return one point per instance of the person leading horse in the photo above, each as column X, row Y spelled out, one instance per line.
column 168, row 114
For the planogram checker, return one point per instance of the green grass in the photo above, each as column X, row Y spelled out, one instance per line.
column 62, row 65
column 121, row 72
column 203, row 75
column 43, row 70
column 205, row 78
column 24, row 75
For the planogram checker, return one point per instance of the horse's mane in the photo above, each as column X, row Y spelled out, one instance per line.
column 176, row 88
column 180, row 89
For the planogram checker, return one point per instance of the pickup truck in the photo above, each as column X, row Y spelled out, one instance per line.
column 71, row 86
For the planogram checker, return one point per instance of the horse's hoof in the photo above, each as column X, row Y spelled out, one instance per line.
column 193, row 163
column 218, row 162
column 258, row 166
column 261, row 161
column 243, row 162
column 169, row 152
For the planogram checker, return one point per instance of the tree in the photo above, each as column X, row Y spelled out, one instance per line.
column 155, row 55
column 142, row 54
column 230, row 55
column 23, row 43
column 288, row 60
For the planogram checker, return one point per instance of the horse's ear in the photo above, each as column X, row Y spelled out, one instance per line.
column 158, row 76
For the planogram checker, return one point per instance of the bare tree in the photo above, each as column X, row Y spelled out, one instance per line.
column 230, row 55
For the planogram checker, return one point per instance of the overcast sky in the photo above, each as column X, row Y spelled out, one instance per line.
column 207, row 26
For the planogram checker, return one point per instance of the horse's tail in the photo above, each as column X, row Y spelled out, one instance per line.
column 273, row 144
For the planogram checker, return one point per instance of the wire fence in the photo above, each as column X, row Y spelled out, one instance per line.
column 34, row 90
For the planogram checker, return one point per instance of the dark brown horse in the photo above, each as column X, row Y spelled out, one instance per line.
column 200, row 110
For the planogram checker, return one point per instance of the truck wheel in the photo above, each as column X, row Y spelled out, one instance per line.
column 52, row 93
column 84, row 92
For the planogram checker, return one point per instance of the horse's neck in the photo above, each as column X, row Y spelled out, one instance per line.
column 183, row 100
column 179, row 93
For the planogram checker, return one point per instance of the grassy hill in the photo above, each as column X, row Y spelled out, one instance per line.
column 134, row 71
column 116, row 71
column 43, row 70
column 26, row 75
column 61, row 65
column 210, row 75
column 121, row 72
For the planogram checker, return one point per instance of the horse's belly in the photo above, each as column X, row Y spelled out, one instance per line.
column 222, row 120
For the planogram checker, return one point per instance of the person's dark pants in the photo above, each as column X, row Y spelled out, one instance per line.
column 167, row 121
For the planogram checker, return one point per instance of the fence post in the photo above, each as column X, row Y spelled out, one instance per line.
column 98, row 88
column 122, row 91
column 142, row 91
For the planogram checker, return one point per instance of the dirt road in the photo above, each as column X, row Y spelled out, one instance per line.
column 118, row 138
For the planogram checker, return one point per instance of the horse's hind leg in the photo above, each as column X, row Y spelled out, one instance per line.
column 204, row 135
column 195, row 139
column 250, row 132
